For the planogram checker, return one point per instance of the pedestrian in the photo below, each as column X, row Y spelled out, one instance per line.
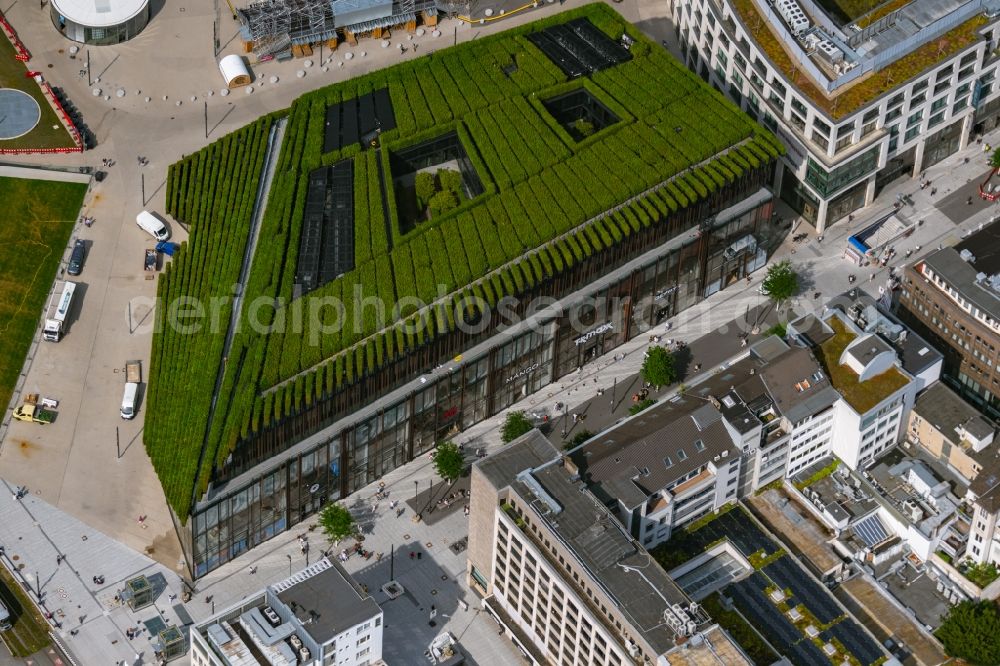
column 969, row 201
column 871, row 278
column 253, row 570
column 59, row 559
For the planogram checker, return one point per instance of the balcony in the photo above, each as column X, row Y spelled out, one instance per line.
column 692, row 484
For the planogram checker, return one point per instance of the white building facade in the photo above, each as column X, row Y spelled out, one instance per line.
column 837, row 161
column 318, row 617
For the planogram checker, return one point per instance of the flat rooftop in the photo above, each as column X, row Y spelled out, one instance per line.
column 325, row 600
column 913, row 352
column 715, row 647
column 641, row 589
column 936, row 39
column 972, row 268
column 837, row 489
column 861, row 396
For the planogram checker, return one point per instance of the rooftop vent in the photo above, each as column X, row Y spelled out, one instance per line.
column 967, row 256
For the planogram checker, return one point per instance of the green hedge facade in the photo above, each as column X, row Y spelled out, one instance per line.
column 550, row 203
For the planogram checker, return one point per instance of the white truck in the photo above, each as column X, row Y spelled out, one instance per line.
column 133, row 375
column 58, row 311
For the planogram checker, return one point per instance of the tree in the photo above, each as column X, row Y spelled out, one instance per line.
column 578, row 439
column 442, row 202
column 781, row 281
column 514, row 425
column 969, row 631
column 336, row 522
column 658, row 369
column 424, row 185
column 450, row 180
column 448, row 461
column 994, row 160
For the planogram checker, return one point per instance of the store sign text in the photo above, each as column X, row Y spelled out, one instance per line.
column 523, row 372
column 603, row 328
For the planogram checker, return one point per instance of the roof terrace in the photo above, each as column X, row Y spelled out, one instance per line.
column 860, row 395
column 842, row 70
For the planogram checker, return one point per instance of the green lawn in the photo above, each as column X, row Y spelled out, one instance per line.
column 35, row 225
column 50, row 132
column 30, row 632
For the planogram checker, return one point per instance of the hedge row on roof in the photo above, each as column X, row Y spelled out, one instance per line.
column 213, row 190
column 541, row 188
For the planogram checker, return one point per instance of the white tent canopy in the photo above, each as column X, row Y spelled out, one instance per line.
column 234, row 71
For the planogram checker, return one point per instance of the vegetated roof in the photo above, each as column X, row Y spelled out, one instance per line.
column 851, row 97
column 548, row 201
column 862, row 396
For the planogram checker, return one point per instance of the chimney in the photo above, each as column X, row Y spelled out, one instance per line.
column 570, row 466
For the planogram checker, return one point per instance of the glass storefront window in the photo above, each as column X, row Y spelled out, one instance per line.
column 827, row 182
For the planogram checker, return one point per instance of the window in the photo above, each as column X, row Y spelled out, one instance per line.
column 668, row 462
column 919, row 86
column 869, row 117
column 892, row 115
column 821, row 127
column 960, row 104
column 935, row 120
column 944, row 73
column 938, row 104
column 845, row 130
column 898, row 98
column 681, row 455
column 799, row 106
column 966, row 73
column 967, row 59
column 779, row 88
column 699, row 445
column 826, row 182
column 918, row 100
column 914, row 119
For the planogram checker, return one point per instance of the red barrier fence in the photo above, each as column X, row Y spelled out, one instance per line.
column 20, row 50
column 21, row 53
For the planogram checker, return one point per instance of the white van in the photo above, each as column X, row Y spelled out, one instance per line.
column 133, row 376
column 128, row 400
column 152, row 225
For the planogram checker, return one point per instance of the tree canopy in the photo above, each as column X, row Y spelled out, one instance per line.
column 781, row 281
column 658, row 368
column 970, row 632
column 514, row 425
column 448, row 461
column 994, row 160
column 336, row 522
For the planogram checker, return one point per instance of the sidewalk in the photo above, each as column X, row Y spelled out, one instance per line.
column 710, row 353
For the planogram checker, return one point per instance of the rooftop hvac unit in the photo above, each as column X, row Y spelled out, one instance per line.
column 271, row 616
column 691, row 628
column 793, row 15
column 633, row 649
column 967, row 255
column 725, row 453
column 829, row 51
column 296, row 641
column 304, row 655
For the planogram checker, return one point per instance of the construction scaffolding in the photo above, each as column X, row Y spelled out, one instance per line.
column 271, row 28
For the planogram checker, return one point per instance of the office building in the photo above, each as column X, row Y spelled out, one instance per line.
column 857, row 104
column 877, row 366
column 318, row 616
column 951, row 430
column 565, row 579
column 952, row 297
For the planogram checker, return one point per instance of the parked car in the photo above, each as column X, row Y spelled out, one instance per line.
column 76, row 259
